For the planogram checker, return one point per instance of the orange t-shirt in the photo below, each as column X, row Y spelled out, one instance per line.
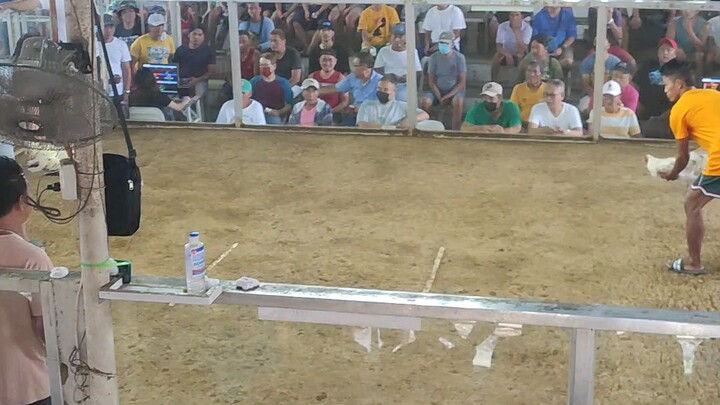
column 378, row 23
column 23, row 372
column 697, row 115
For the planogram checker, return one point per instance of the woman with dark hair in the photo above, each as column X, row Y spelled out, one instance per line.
column 146, row 93
column 23, row 348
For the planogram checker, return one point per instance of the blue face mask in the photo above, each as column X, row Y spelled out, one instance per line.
column 444, row 48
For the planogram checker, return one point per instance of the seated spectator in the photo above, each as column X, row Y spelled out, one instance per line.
column 258, row 24
column 555, row 117
column 289, row 64
column 690, row 31
column 249, row 56
column 155, row 46
column 146, row 93
column 374, row 25
column 311, row 111
column 306, row 19
column 549, row 67
column 252, row 113
column 617, row 121
column 21, row 319
column 439, row 19
column 623, row 73
column 512, row 41
column 328, row 76
column 119, row 56
column 272, row 91
column 130, row 27
column 347, row 15
column 558, row 23
column 196, row 62
column 386, row 111
column 447, row 77
column 615, row 24
column 530, row 92
column 362, row 83
column 323, row 40
column 493, row 115
column 393, row 59
column 652, row 99
column 587, row 69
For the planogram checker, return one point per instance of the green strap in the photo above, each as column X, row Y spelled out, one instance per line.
column 107, row 263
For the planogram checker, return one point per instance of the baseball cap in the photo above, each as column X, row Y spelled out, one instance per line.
column 156, row 20
column 667, row 41
column 612, row 88
column 307, row 83
column 108, row 19
column 126, row 5
column 446, row 37
column 492, row 89
column 398, row 29
column 246, row 86
column 325, row 25
column 624, row 67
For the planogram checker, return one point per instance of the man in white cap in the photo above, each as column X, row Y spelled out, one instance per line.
column 493, row 115
column 155, row 46
column 617, row 121
column 312, row 111
column 554, row 116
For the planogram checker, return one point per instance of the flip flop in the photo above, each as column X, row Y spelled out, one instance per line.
column 677, row 266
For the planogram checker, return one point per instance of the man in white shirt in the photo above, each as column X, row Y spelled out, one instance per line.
column 554, row 116
column 512, row 41
column 393, row 59
column 120, row 59
column 252, row 113
column 439, row 19
column 386, row 111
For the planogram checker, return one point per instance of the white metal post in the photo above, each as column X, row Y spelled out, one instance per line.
column 410, row 42
column 599, row 69
column 581, row 384
column 235, row 62
column 175, row 22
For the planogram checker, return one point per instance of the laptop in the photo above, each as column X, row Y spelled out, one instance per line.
column 167, row 76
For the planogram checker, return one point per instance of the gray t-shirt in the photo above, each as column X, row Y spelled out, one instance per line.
column 447, row 69
column 383, row 114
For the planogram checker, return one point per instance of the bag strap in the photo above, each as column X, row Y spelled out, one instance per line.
column 132, row 154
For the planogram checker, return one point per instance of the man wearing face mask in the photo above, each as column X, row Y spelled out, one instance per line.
column 386, row 111
column 272, row 91
column 493, row 115
column 393, row 59
column 447, row 75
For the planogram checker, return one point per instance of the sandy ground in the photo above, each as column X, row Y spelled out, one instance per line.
column 576, row 223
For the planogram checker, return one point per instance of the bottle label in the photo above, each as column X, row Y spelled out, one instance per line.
column 197, row 261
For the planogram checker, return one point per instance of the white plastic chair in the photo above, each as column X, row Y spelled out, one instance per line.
column 430, row 125
column 146, row 114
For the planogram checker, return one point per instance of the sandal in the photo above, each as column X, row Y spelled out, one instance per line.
column 677, row 266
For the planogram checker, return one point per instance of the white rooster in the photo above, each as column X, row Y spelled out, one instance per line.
column 688, row 174
column 43, row 160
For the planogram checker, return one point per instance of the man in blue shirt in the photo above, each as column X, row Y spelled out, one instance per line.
column 259, row 25
column 559, row 24
column 362, row 83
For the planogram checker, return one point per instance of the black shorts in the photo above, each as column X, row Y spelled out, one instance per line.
column 45, row 401
column 312, row 24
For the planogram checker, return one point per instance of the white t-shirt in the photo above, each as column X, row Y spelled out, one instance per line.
column 714, row 24
column 252, row 114
column 395, row 62
column 438, row 21
column 506, row 36
column 118, row 53
column 384, row 114
column 569, row 117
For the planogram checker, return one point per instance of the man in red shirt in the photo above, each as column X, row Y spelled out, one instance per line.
column 326, row 76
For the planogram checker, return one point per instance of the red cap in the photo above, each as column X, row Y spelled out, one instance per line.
column 669, row 42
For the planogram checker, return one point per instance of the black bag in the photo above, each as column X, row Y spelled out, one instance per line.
column 123, row 183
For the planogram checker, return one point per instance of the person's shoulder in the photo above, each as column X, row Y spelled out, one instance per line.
column 504, row 25
column 32, row 256
column 510, row 105
column 569, row 108
column 520, row 87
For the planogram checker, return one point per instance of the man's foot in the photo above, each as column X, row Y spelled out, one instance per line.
column 679, row 266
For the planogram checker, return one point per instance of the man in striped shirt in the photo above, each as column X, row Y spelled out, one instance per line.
column 617, row 121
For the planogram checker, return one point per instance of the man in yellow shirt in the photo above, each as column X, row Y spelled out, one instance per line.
column 695, row 116
column 155, row 46
column 529, row 92
column 375, row 24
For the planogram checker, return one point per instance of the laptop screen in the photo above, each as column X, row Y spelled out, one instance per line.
column 167, row 76
column 711, row 83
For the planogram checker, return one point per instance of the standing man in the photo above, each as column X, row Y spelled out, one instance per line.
column 129, row 28
column 24, row 377
column 119, row 56
column 155, row 46
column 695, row 117
column 196, row 61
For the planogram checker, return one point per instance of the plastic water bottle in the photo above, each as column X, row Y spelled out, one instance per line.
column 195, row 264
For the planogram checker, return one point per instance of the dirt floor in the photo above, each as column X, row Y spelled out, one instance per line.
column 575, row 223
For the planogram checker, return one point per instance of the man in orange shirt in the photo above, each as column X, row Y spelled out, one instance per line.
column 695, row 116
column 375, row 24
column 23, row 370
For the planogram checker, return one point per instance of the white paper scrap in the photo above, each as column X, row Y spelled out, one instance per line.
column 445, row 342
column 464, row 328
column 484, row 352
column 688, row 344
column 363, row 336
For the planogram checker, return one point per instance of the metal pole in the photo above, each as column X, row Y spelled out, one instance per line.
column 175, row 22
column 581, row 384
column 235, row 63
column 599, row 70
column 410, row 47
